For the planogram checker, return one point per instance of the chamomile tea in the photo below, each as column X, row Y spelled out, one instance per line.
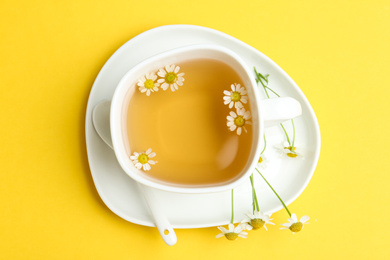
column 190, row 124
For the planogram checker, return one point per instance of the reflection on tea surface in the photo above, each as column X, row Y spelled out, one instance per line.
column 187, row 128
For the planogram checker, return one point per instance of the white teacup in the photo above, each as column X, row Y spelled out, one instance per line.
column 265, row 112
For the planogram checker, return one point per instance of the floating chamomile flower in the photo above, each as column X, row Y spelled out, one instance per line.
column 257, row 220
column 238, row 120
column 233, row 232
column 170, row 78
column 262, row 162
column 294, row 225
column 142, row 160
column 147, row 83
column 235, row 97
column 286, row 149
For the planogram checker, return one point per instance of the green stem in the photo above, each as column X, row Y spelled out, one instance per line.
column 285, row 132
column 265, row 145
column 232, row 220
column 272, row 91
column 254, row 196
column 284, row 205
column 293, row 141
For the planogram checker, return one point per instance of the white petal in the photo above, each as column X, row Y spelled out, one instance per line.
column 233, row 88
column 238, row 105
column 233, row 127
column 231, row 227
column 230, row 118
column 234, row 115
column 230, row 123
column 151, row 162
column 294, row 217
column 224, row 230
column 164, row 86
column 247, row 115
column 148, row 151
column 148, row 92
column 142, row 89
column 227, row 93
column 179, row 82
column 162, row 73
column 138, row 165
column 160, row 81
column 227, row 98
column 231, row 104
column 304, row 219
column 226, row 102
column 152, row 154
column 177, row 69
column 239, row 131
column 219, row 235
column 172, row 88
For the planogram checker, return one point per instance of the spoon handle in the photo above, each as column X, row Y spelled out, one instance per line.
column 163, row 225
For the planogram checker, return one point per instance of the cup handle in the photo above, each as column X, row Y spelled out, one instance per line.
column 278, row 110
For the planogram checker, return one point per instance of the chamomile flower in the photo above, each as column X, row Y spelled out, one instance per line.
column 286, row 150
column 235, row 97
column 257, row 220
column 147, row 83
column 238, row 120
column 142, row 160
column 294, row 225
column 262, row 162
column 233, row 232
column 170, row 77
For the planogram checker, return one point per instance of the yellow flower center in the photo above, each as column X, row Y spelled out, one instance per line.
column 235, row 96
column 239, row 121
column 260, row 160
column 231, row 235
column 149, row 84
column 257, row 223
column 292, row 154
column 143, row 158
column 296, row 227
column 170, row 77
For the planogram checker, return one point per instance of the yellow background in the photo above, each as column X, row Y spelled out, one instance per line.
column 50, row 53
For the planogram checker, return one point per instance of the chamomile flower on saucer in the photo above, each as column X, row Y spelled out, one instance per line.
column 233, row 232
column 238, row 120
column 294, row 225
column 286, row 150
column 235, row 97
column 142, row 160
column 170, row 77
column 147, row 83
column 262, row 162
column 257, row 220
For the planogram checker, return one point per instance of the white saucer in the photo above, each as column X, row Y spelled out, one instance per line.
column 289, row 177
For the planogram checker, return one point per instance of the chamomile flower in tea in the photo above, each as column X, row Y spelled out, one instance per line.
column 294, row 225
column 147, row 83
column 238, row 120
column 142, row 160
column 170, row 77
column 236, row 97
column 233, row 232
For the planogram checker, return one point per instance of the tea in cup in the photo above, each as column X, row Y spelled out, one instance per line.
column 191, row 120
